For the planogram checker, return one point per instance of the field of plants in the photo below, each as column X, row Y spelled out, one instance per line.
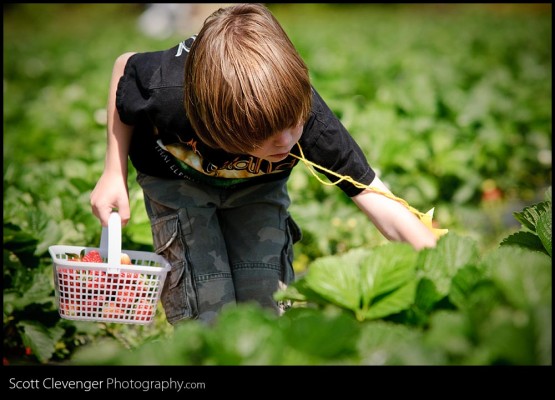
column 452, row 105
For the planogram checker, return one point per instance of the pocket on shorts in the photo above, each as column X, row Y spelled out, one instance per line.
column 294, row 230
column 293, row 235
column 179, row 294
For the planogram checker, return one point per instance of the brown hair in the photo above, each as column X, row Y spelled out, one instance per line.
column 244, row 80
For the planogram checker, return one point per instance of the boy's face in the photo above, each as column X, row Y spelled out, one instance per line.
column 278, row 146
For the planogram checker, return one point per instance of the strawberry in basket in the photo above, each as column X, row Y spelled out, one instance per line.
column 91, row 256
column 90, row 288
column 91, row 281
column 94, row 256
column 125, row 259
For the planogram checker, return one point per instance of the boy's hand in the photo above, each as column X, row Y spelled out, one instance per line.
column 109, row 194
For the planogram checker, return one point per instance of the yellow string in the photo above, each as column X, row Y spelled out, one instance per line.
column 426, row 218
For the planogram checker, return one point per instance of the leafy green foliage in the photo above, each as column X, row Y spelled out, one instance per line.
column 530, row 215
column 440, row 102
column 442, row 263
column 388, row 93
column 536, row 232
column 499, row 314
column 371, row 283
column 544, row 229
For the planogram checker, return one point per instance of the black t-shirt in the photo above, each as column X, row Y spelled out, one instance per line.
column 150, row 97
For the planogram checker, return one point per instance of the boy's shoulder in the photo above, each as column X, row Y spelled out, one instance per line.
column 163, row 67
column 183, row 47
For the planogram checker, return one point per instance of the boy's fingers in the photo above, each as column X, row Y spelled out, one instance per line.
column 124, row 215
column 104, row 215
column 123, row 211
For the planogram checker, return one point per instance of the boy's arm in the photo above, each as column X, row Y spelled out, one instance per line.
column 393, row 219
column 111, row 190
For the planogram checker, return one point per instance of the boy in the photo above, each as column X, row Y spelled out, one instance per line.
column 212, row 127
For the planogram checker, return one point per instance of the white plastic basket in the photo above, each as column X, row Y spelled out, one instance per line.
column 108, row 291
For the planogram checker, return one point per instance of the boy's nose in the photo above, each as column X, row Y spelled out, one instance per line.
column 282, row 139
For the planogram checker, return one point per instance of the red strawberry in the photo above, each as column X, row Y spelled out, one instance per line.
column 111, row 310
column 93, row 305
column 144, row 311
column 69, row 307
column 92, row 256
column 125, row 297
column 144, row 286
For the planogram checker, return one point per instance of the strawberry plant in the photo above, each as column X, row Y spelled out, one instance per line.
column 442, row 306
column 418, row 109
column 32, row 327
column 536, row 232
column 371, row 283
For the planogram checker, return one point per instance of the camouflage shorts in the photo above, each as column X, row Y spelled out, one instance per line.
column 225, row 245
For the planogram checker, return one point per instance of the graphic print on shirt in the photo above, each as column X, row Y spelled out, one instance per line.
column 241, row 166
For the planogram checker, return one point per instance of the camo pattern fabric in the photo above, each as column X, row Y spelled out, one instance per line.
column 225, row 245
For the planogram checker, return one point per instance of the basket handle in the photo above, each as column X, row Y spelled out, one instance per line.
column 110, row 242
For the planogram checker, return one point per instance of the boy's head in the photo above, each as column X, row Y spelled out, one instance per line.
column 244, row 80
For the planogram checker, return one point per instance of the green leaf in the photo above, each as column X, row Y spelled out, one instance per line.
column 530, row 215
column 17, row 240
column 245, row 335
column 508, row 337
column 388, row 280
column 426, row 295
column 387, row 268
column 464, row 283
column 301, row 292
column 38, row 289
column 451, row 331
column 542, row 322
column 396, row 301
column 22, row 244
column 40, row 339
column 524, row 239
column 337, row 279
column 544, row 230
column 320, row 334
column 41, row 290
column 291, row 292
column 371, row 283
column 387, row 343
column 474, row 294
column 140, row 232
column 524, row 277
column 440, row 264
column 82, row 185
column 109, row 351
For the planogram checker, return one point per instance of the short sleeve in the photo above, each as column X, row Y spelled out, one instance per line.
column 133, row 94
column 327, row 143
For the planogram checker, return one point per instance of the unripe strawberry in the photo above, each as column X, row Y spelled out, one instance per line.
column 125, row 259
column 111, row 310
